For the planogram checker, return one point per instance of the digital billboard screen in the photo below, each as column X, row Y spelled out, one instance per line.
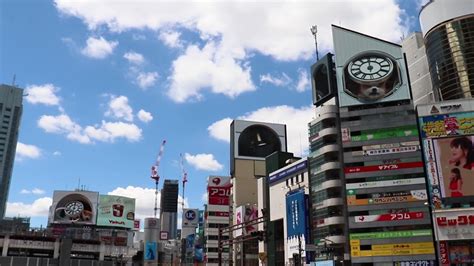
column 116, row 211
column 78, row 207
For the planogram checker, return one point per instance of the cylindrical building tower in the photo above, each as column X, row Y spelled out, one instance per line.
column 448, row 29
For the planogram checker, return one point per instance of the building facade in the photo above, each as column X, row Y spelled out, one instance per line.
column 11, row 107
column 169, row 208
column 388, row 219
column 447, row 29
column 447, row 132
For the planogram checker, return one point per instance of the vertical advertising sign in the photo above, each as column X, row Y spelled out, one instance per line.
column 218, row 190
column 190, row 217
column 296, row 214
column 448, row 145
column 150, row 251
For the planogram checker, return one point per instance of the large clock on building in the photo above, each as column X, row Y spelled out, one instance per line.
column 371, row 76
column 258, row 141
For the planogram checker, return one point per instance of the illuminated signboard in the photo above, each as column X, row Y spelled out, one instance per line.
column 116, row 211
column 387, row 197
column 219, row 190
column 391, row 234
column 454, row 223
column 456, row 124
column 377, row 134
column 383, row 151
column 389, row 217
column 384, row 183
column 382, row 167
column 417, row 248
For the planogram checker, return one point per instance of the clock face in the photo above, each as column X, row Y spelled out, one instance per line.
column 74, row 208
column 370, row 68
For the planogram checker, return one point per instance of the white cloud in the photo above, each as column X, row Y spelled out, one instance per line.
column 35, row 191
column 109, row 131
column 144, row 200
column 203, row 162
column 144, row 116
column 171, row 38
column 296, row 120
column 39, row 208
column 62, row 124
column 27, row 151
column 106, row 132
column 303, row 81
column 271, row 32
column 218, row 70
column 42, row 94
column 204, row 197
column 134, row 58
column 220, row 130
column 119, row 108
column 282, row 80
column 147, row 79
column 99, row 48
column 57, row 153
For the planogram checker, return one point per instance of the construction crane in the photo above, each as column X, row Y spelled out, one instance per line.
column 154, row 174
column 185, row 179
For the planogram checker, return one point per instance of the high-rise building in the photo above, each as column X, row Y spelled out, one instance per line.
column 420, row 79
column 448, row 27
column 169, row 207
column 387, row 215
column 11, row 107
column 329, row 228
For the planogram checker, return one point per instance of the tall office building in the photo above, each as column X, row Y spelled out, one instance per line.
column 417, row 62
column 10, row 113
column 388, row 220
column 169, row 208
column 448, row 27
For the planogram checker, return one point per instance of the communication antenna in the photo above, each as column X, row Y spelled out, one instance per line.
column 314, row 31
column 155, row 176
column 14, row 79
column 185, row 179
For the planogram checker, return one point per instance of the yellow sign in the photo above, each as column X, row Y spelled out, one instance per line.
column 419, row 248
column 355, row 242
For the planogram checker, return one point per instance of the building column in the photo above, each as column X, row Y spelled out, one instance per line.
column 6, row 242
column 56, row 249
column 101, row 251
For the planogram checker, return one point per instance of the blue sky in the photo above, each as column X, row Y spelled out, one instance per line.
column 108, row 80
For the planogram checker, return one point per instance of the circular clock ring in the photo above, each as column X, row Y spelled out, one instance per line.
column 74, row 208
column 370, row 68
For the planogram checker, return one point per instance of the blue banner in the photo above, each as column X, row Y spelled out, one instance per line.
column 296, row 213
column 150, row 251
column 290, row 171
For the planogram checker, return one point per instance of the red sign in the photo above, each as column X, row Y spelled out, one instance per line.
column 460, row 220
column 389, row 217
column 443, row 253
column 219, row 195
column 136, row 224
column 383, row 167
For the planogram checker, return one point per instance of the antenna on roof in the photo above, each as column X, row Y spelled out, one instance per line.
column 14, row 79
column 314, row 31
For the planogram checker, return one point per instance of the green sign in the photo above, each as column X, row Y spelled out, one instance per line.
column 116, row 211
column 392, row 234
column 386, row 133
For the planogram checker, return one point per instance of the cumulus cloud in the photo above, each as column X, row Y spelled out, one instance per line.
column 303, row 81
column 119, row 108
column 38, row 208
column 144, row 116
column 144, row 200
column 281, row 80
column 380, row 18
column 98, row 48
column 218, row 71
column 296, row 120
column 27, row 151
column 105, row 132
column 203, row 161
column 171, row 38
column 36, row 191
column 109, row 131
column 147, row 79
column 134, row 58
column 42, row 94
